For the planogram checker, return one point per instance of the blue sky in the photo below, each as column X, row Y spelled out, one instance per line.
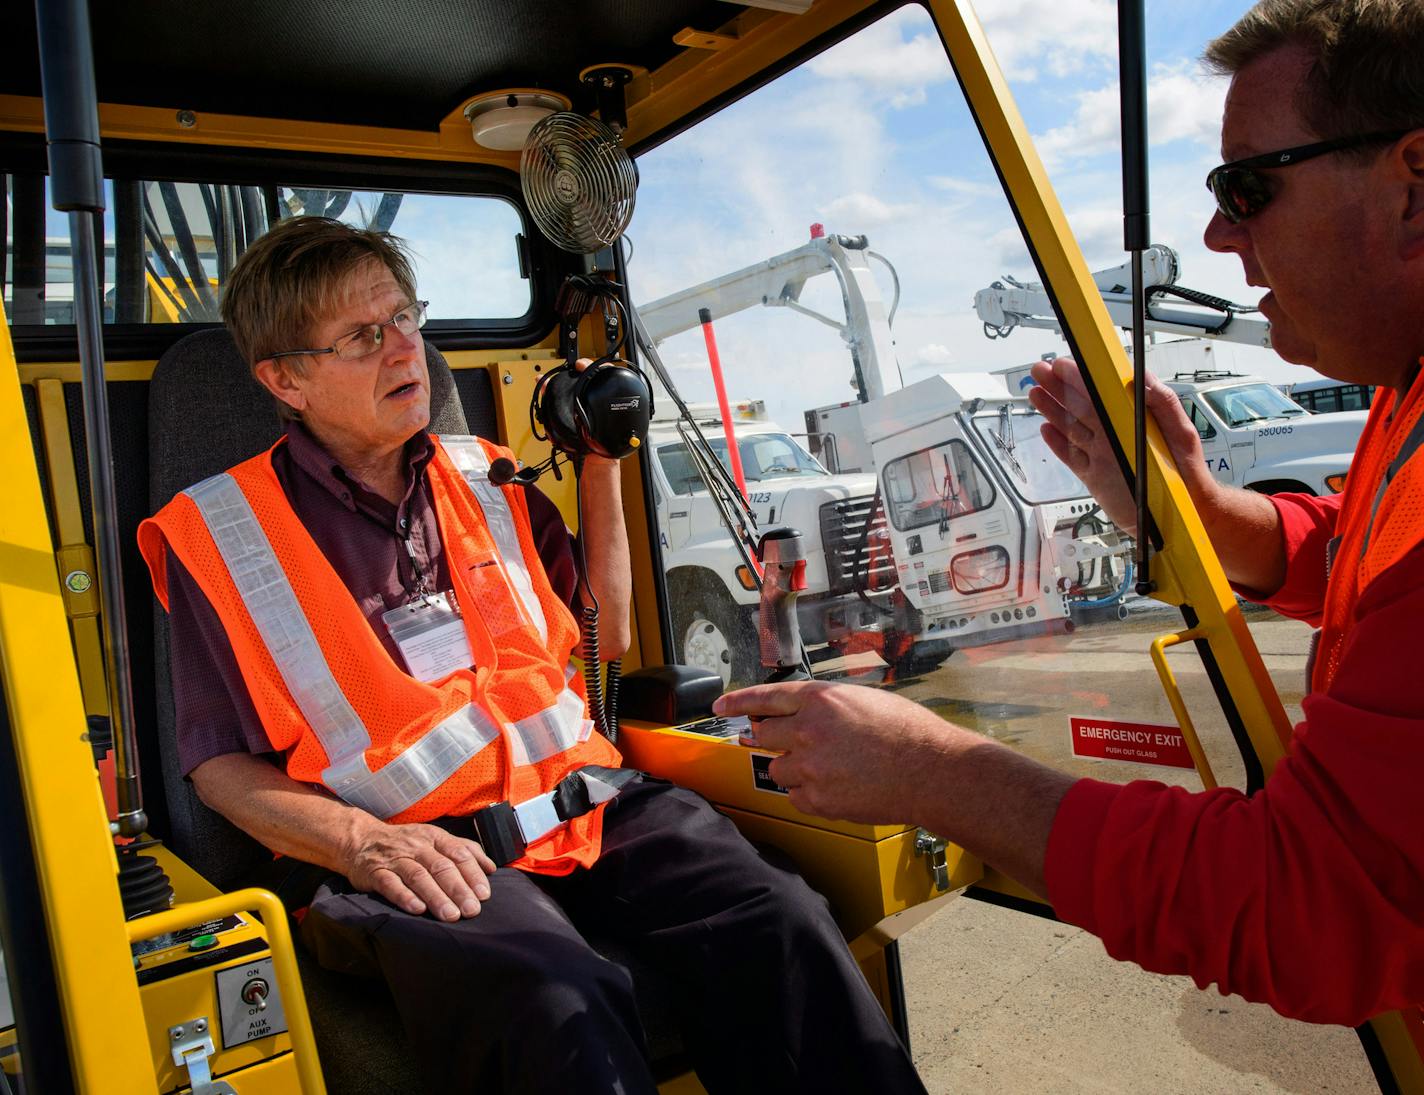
column 873, row 137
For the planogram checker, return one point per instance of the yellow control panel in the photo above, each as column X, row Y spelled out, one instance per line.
column 209, row 992
column 868, row 872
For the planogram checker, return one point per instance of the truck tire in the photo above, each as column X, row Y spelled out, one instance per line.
column 920, row 659
column 1279, row 486
column 713, row 632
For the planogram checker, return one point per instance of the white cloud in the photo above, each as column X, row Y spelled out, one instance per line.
column 1184, row 102
column 933, row 355
column 966, row 187
column 895, row 59
column 858, row 212
column 1058, row 37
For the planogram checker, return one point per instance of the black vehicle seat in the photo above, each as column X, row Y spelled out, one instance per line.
column 207, row 413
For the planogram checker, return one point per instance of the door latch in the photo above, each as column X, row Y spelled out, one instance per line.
column 192, row 1045
column 933, row 848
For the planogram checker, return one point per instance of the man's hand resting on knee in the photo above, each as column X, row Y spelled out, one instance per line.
column 414, row 867
column 418, row 867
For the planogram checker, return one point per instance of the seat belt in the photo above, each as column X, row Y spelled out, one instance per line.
column 506, row 829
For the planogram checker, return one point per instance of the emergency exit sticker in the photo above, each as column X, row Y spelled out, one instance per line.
column 1134, row 742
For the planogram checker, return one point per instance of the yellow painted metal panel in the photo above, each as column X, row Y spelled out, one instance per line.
column 68, row 371
column 683, row 86
column 452, row 141
column 865, row 880
column 78, row 569
column 68, row 828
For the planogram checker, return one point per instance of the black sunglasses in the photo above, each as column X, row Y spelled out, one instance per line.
column 1240, row 189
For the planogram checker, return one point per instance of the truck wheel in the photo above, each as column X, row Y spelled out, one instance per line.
column 920, row 659
column 712, row 632
column 1279, row 486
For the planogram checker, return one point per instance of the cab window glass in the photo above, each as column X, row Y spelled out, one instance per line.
column 935, row 487
column 1018, row 448
column 465, row 248
column 169, row 247
column 1248, row 403
column 1199, row 419
column 764, row 456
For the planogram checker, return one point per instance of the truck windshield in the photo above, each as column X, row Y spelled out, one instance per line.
column 1251, row 403
column 764, row 456
column 1036, row 474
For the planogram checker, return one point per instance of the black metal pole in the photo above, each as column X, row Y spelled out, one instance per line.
column 1137, row 233
column 76, row 176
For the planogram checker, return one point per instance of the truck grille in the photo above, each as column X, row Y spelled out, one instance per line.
column 849, row 554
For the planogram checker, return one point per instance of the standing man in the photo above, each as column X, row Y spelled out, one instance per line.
column 371, row 650
column 1310, row 894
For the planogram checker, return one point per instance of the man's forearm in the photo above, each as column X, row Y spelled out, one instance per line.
column 995, row 803
column 288, row 817
column 605, row 545
column 1245, row 531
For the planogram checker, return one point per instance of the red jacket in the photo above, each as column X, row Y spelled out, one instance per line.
column 1309, row 895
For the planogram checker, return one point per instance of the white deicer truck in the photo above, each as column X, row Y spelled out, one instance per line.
column 912, row 576
column 1252, row 434
column 713, row 598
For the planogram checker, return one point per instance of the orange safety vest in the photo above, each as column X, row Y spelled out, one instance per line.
column 1381, row 517
column 331, row 697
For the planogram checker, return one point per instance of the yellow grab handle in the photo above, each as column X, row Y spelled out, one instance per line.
column 1174, row 697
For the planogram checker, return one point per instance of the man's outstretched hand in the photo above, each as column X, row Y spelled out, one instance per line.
column 865, row 755
column 850, row 752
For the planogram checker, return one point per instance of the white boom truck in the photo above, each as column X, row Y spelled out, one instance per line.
column 1252, row 435
column 909, row 589
column 713, row 598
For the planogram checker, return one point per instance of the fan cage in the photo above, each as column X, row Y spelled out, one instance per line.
column 578, row 181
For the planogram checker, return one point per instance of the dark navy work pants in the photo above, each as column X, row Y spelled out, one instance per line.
column 764, row 991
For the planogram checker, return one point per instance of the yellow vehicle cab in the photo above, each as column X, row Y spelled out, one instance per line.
column 214, row 123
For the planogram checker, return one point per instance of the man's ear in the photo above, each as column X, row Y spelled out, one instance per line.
column 282, row 382
column 1412, row 159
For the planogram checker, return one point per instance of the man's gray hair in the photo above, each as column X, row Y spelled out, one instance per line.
column 1368, row 73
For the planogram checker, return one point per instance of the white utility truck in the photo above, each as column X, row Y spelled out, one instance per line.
column 971, row 552
column 1252, row 434
column 993, row 537
column 713, row 597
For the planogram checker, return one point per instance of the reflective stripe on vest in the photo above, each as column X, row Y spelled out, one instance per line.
column 469, row 457
column 287, row 634
column 272, row 604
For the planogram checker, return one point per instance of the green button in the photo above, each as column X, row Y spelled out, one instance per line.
column 202, row 942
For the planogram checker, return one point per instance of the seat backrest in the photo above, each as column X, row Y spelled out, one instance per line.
column 205, row 414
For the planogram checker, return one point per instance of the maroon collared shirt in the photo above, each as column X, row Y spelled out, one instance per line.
column 362, row 535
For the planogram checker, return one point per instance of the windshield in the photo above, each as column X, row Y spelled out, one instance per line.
column 1036, row 474
column 764, row 456
column 1251, row 403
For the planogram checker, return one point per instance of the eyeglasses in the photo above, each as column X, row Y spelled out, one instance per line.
column 1240, row 189
column 365, row 341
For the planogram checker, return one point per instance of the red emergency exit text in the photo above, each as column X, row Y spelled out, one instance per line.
column 1135, row 742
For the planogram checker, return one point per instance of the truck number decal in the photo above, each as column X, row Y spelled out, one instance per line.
column 758, row 496
column 1275, row 431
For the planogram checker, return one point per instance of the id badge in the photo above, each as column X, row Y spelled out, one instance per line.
column 431, row 636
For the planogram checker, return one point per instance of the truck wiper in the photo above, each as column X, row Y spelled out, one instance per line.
column 1006, row 441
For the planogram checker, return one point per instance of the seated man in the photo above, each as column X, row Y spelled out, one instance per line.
column 371, row 644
